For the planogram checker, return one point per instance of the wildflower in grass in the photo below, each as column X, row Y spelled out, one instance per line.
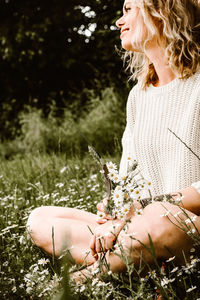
column 177, row 214
column 60, row 184
column 192, row 250
column 166, row 213
column 164, row 281
column 45, row 272
column 195, row 260
column 54, row 195
column 191, row 232
column 170, row 259
column 95, row 271
column 46, row 197
column 187, row 221
column 191, row 289
column 193, row 218
column 63, row 169
column 174, row 270
column 152, row 274
column 14, row 289
column 29, row 290
column 43, row 261
column 82, row 288
column 95, row 281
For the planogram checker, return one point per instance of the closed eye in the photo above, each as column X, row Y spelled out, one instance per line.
column 127, row 8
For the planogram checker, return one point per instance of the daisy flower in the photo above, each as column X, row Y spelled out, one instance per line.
column 135, row 194
column 116, row 178
column 111, row 166
column 101, row 214
column 144, row 184
column 43, row 261
column 125, row 209
column 112, row 175
column 118, row 188
column 118, row 197
column 118, row 202
column 120, row 215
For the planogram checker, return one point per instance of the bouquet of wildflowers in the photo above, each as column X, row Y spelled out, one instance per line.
column 122, row 191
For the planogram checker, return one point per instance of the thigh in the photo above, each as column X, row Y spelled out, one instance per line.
column 169, row 228
column 65, row 212
column 177, row 230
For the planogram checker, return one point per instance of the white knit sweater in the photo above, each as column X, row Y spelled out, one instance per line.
column 162, row 158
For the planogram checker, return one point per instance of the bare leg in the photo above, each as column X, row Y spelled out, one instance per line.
column 68, row 227
column 168, row 239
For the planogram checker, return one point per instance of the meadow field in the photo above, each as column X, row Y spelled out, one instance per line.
column 28, row 273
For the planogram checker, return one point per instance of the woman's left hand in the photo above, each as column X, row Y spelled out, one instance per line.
column 105, row 235
column 101, row 208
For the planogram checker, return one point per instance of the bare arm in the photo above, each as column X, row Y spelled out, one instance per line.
column 191, row 200
column 188, row 198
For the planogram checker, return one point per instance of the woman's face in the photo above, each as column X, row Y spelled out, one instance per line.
column 133, row 29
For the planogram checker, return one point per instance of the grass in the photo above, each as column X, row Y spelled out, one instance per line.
column 28, row 273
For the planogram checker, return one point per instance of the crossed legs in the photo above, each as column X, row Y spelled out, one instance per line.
column 71, row 228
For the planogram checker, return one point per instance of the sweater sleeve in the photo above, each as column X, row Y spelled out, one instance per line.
column 127, row 139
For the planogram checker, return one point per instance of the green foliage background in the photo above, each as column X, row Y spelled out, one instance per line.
column 47, row 58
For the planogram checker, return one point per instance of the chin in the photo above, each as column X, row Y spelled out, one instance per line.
column 132, row 47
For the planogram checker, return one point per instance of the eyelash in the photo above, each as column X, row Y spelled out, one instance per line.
column 126, row 9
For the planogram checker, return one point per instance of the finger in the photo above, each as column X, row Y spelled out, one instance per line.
column 109, row 241
column 101, row 221
column 108, row 217
column 99, row 245
column 105, row 201
column 100, row 206
column 94, row 254
column 92, row 243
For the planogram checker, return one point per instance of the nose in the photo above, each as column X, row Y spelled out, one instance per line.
column 120, row 22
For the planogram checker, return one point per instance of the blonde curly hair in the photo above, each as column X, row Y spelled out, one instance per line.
column 177, row 23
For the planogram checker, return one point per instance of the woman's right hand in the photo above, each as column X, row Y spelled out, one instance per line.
column 101, row 208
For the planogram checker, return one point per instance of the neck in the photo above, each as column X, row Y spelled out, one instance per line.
column 156, row 55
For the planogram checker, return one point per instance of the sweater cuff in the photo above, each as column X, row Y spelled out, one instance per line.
column 196, row 185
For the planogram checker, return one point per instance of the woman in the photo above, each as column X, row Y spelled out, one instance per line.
column 162, row 42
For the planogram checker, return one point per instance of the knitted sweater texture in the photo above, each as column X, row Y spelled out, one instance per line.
column 151, row 114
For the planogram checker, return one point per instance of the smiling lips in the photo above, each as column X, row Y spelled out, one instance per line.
column 124, row 29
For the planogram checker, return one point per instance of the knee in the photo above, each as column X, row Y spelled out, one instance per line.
column 146, row 228
column 34, row 224
column 158, row 219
